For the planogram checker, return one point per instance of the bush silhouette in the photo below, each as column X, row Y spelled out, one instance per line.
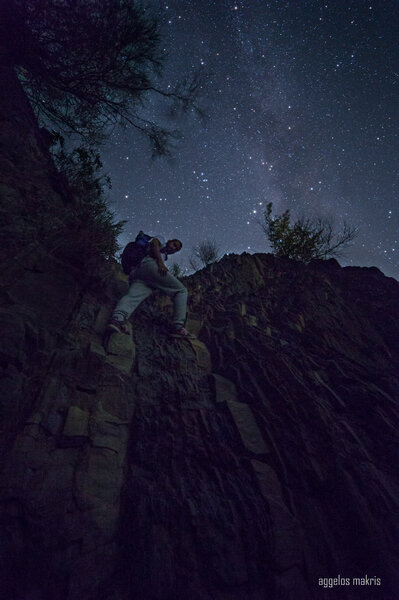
column 306, row 238
column 204, row 253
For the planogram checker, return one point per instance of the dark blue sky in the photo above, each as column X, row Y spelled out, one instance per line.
column 302, row 99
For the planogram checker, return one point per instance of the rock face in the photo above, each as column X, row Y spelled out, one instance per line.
column 258, row 461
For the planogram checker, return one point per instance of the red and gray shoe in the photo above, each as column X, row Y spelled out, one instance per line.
column 116, row 326
column 181, row 332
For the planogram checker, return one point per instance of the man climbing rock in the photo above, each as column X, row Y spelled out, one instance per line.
column 142, row 261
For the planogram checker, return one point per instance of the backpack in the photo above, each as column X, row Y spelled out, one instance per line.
column 134, row 252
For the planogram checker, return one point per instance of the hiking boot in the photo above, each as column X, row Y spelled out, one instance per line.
column 118, row 326
column 181, row 332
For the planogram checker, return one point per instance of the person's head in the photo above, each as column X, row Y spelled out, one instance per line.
column 173, row 246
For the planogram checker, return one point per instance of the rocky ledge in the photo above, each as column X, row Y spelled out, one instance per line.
column 258, row 461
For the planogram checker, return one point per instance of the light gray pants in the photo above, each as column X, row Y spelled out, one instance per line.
column 144, row 280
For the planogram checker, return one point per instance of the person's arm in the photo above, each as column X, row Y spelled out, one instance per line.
column 155, row 252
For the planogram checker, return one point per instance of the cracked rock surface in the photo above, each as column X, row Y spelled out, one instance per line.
column 245, row 464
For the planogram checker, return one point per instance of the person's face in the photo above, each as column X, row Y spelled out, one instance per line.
column 173, row 246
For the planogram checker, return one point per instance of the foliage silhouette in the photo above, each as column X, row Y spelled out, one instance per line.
column 306, row 238
column 204, row 254
column 176, row 270
column 88, row 216
column 87, row 66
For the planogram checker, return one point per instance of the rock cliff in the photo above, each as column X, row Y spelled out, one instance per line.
column 256, row 462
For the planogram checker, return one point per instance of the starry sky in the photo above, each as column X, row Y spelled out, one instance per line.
column 302, row 110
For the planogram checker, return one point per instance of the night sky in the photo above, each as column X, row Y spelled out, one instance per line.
column 302, row 103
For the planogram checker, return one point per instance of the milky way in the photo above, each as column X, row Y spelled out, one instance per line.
column 302, row 105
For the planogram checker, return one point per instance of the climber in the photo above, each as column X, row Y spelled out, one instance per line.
column 145, row 275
